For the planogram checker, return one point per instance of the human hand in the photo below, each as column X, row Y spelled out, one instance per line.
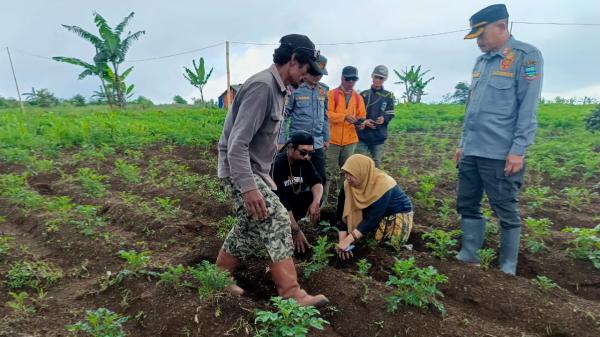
column 255, row 204
column 514, row 164
column 314, row 210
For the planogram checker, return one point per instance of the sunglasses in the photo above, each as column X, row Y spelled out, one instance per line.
column 305, row 153
column 350, row 79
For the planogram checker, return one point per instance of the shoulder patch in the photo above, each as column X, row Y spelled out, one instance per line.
column 476, row 74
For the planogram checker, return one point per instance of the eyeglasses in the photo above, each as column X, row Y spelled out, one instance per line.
column 305, row 153
column 313, row 52
column 350, row 79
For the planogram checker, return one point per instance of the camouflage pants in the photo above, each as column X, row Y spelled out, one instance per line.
column 399, row 225
column 249, row 235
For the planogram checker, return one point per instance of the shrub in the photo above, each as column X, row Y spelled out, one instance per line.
column 539, row 229
column 586, row 244
column 592, row 122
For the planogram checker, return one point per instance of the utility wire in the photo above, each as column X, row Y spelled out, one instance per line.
column 176, row 54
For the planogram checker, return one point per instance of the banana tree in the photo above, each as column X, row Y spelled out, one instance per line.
column 414, row 83
column 198, row 76
column 111, row 50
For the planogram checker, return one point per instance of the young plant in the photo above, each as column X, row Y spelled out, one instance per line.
column 537, row 196
column 91, row 182
column 441, row 242
column 486, row 256
column 424, row 197
column 100, row 323
column 87, row 221
column 172, row 276
column 5, row 244
column 34, row 275
column 586, row 244
column 290, row 319
column 544, row 283
column 136, row 262
column 577, row 197
column 167, row 206
column 415, row 286
column 446, row 212
column 362, row 276
column 19, row 304
column 539, row 229
column 212, row 280
column 129, row 172
column 320, row 257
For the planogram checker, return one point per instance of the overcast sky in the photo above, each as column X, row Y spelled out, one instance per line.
column 571, row 53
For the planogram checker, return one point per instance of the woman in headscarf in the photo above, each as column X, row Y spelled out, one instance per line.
column 371, row 201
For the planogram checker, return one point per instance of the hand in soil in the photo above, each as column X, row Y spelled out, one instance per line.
column 300, row 242
column 255, row 204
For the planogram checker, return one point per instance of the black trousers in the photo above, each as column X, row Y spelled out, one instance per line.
column 318, row 161
column 477, row 175
column 300, row 204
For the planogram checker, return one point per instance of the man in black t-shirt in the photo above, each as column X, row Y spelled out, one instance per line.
column 299, row 186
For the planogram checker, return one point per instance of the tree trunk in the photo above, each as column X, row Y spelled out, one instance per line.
column 107, row 94
column 201, row 95
column 117, row 86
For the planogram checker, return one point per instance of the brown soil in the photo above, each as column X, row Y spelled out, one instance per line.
column 479, row 303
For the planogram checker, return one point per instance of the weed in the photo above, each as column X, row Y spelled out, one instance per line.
column 16, row 190
column 424, row 197
column 362, row 276
column 88, row 221
column 415, row 286
column 290, row 319
column 19, row 304
column 441, row 242
column 33, row 275
column 100, row 323
column 446, row 212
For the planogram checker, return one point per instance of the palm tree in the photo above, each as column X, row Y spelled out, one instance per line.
column 414, row 83
column 110, row 53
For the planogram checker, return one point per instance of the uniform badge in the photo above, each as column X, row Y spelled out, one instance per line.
column 476, row 74
column 503, row 73
column 509, row 59
column 530, row 72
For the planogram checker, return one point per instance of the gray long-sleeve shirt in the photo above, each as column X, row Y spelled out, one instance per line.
column 501, row 111
column 248, row 142
column 306, row 110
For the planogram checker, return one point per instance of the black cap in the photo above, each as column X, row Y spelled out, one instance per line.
column 301, row 138
column 484, row 17
column 303, row 45
column 350, row 71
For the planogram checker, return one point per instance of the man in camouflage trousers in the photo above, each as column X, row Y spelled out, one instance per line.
column 246, row 149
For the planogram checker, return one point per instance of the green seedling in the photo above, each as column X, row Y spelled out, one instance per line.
column 290, row 319
column 91, row 182
column 212, row 281
column 320, row 257
column 129, row 172
column 172, row 276
column 585, row 245
column 441, row 242
column 19, row 303
column 544, row 283
column 486, row 257
column 33, row 275
column 415, row 286
column 100, row 323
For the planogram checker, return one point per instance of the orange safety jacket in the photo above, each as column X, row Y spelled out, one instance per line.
column 341, row 132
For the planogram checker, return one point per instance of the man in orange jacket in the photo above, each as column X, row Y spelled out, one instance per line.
column 346, row 111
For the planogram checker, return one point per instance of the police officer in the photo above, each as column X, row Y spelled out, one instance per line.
column 500, row 123
column 379, row 104
column 306, row 110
